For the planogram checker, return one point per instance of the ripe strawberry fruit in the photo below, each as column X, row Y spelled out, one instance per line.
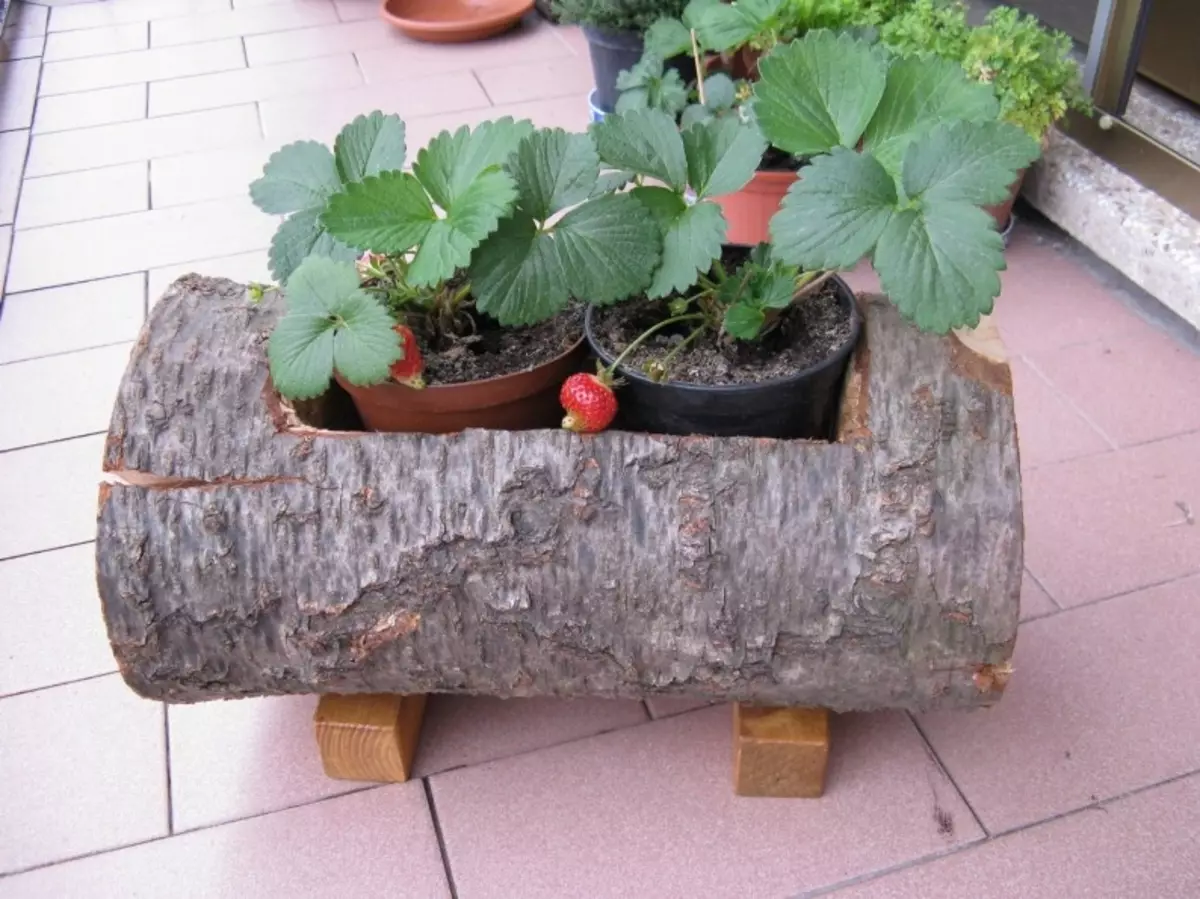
column 408, row 370
column 590, row 403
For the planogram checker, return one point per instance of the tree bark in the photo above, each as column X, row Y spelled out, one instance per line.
column 243, row 552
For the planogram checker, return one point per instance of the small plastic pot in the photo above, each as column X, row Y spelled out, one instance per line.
column 595, row 113
column 749, row 211
column 516, row 402
column 803, row 405
column 612, row 52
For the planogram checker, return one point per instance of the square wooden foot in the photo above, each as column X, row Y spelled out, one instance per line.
column 369, row 736
column 780, row 752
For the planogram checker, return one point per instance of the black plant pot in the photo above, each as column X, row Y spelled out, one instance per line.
column 612, row 52
column 803, row 405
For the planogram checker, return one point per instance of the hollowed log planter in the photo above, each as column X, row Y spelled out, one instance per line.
column 242, row 552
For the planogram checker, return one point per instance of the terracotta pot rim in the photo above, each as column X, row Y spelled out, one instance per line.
column 846, row 295
column 506, row 12
column 436, row 389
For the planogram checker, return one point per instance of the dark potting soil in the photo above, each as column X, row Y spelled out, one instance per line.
column 778, row 161
column 807, row 333
column 492, row 351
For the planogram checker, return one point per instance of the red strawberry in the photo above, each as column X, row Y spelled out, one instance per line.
column 408, row 370
column 590, row 404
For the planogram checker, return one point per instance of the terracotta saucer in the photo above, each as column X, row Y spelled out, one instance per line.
column 453, row 21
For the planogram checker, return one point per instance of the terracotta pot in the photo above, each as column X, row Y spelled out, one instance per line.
column 749, row 210
column 1002, row 212
column 516, row 402
column 454, row 21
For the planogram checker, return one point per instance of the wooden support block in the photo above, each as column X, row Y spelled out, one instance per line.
column 780, row 752
column 369, row 736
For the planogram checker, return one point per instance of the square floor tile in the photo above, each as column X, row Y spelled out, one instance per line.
column 82, row 769
column 49, row 495
column 1049, row 428
column 307, row 43
column 81, row 251
column 57, row 397
column 1102, row 702
column 380, row 842
column 650, row 811
column 75, row 317
column 78, row 196
column 536, row 80
column 87, row 109
column 239, row 22
column 245, row 757
column 213, row 175
column 1144, row 845
column 1139, row 387
column 18, row 92
column 99, row 15
column 97, row 41
column 91, row 148
column 327, row 73
column 1106, row 524
column 58, row 586
column 469, row 730
column 90, row 73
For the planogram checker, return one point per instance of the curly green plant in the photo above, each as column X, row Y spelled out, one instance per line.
column 616, row 15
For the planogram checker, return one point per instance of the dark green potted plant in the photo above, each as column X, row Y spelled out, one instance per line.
column 614, row 31
column 904, row 153
column 459, row 310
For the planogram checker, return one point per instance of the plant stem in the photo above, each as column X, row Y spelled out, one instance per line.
column 646, row 335
column 666, row 361
column 811, row 284
column 699, row 67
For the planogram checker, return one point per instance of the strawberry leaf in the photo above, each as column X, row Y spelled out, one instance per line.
column 554, row 170
column 449, row 166
column 667, row 38
column 388, row 213
column 369, row 145
column 299, row 177
column 819, row 92
column 832, row 217
column 722, row 26
column 922, row 92
column 646, row 142
column 329, row 323
column 601, row 251
column 691, row 238
column 967, row 162
column 298, row 237
column 744, row 321
column 722, row 156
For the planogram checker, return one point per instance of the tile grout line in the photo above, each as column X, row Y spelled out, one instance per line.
column 28, row 446
column 66, row 683
column 479, row 81
column 48, row 549
column 1066, row 610
column 995, row 838
column 1069, row 402
column 37, row 88
column 1033, row 577
column 937, row 759
column 441, row 838
column 167, row 767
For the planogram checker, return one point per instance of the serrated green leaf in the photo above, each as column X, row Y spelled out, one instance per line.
column 554, row 170
column 385, row 213
column 719, row 92
column 646, row 142
column 476, row 213
column 722, row 156
column 971, row 162
column 452, row 161
column 601, row 251
column 922, row 92
column 693, row 114
column 940, row 264
column 329, row 322
column 776, row 289
column 611, row 181
column 744, row 321
column 299, row 237
column 832, row 217
column 692, row 238
column 722, row 27
column 369, row 145
column 819, row 92
column 299, row 176
column 667, row 38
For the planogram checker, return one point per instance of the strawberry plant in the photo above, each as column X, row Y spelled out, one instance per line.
column 904, row 152
column 502, row 221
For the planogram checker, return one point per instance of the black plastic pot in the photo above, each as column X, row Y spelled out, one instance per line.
column 612, row 52
column 803, row 405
